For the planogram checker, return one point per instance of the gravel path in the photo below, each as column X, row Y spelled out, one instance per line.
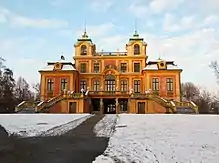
column 76, row 146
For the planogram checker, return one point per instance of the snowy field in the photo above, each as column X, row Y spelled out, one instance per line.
column 164, row 139
column 38, row 124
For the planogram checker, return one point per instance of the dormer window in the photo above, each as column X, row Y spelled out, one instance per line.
column 136, row 49
column 83, row 50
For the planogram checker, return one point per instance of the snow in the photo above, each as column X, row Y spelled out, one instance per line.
column 105, row 127
column 29, row 125
column 164, row 138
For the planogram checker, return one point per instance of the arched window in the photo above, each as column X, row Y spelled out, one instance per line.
column 83, row 50
column 110, row 77
column 136, row 49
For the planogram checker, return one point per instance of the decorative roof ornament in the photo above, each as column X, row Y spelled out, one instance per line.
column 62, row 57
column 85, row 36
column 136, row 32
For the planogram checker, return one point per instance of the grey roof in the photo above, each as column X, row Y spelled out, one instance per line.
column 66, row 66
column 152, row 65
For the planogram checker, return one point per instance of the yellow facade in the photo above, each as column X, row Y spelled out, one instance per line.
column 110, row 82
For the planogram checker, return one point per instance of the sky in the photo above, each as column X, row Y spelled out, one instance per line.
column 185, row 31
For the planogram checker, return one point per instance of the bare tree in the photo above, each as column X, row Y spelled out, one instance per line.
column 190, row 91
column 215, row 66
column 22, row 90
column 36, row 87
column 204, row 101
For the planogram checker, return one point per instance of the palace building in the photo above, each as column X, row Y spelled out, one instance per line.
column 111, row 82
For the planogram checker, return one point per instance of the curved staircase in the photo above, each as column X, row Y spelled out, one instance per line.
column 171, row 106
column 45, row 106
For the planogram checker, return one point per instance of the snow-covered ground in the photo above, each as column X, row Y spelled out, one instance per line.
column 105, row 127
column 164, row 139
column 37, row 124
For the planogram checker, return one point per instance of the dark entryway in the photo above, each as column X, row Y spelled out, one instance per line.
column 95, row 105
column 109, row 106
column 123, row 105
column 72, row 107
column 141, row 107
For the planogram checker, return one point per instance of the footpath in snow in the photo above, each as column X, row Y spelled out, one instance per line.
column 28, row 125
column 105, row 127
column 164, row 138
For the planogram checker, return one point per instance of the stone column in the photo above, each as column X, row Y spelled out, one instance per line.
column 128, row 105
column 117, row 106
column 101, row 106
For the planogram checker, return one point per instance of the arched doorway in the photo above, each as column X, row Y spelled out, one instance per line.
column 110, row 83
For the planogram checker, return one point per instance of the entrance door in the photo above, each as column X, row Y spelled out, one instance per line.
column 72, row 107
column 123, row 105
column 109, row 106
column 141, row 107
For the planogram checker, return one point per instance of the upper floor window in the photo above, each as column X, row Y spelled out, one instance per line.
column 83, row 68
column 63, row 84
column 83, row 50
column 96, row 67
column 155, row 84
column 124, row 85
column 83, row 84
column 169, row 82
column 123, row 67
column 137, row 86
column 136, row 67
column 136, row 49
column 50, row 85
column 96, row 85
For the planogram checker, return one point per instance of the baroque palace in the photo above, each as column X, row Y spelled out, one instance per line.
column 111, row 82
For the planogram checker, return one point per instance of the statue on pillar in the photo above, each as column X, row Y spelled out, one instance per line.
column 101, row 105
column 117, row 105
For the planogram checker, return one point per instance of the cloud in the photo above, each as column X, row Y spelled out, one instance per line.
column 97, row 30
column 140, row 10
column 57, row 3
column 173, row 23
column 23, row 21
column 158, row 6
column 101, row 5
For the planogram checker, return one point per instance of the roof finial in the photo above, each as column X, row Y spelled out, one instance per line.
column 62, row 56
column 85, row 26
column 159, row 56
column 85, row 30
column 136, row 32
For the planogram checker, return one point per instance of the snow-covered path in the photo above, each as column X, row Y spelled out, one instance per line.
column 105, row 127
column 36, row 124
column 164, row 139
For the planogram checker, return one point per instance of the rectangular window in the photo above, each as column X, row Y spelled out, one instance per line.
column 169, row 82
column 83, row 68
column 63, row 84
column 50, row 85
column 123, row 67
column 96, row 67
column 136, row 67
column 124, row 85
column 155, row 84
column 96, row 85
column 137, row 86
column 83, row 84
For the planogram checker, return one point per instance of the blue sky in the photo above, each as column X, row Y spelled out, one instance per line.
column 34, row 32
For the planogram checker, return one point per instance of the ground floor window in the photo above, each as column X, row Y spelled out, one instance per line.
column 124, row 105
